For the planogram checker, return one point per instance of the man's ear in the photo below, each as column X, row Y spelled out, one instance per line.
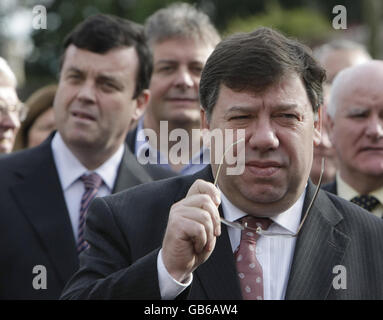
column 318, row 126
column 204, row 121
column 141, row 103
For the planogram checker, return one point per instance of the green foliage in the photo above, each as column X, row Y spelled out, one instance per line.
column 302, row 23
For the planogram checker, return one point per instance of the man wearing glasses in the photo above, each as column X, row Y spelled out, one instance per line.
column 165, row 240
column 12, row 112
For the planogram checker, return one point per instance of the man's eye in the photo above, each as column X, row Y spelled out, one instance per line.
column 358, row 115
column 241, row 117
column 289, row 116
column 165, row 69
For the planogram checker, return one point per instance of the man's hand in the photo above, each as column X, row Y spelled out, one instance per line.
column 194, row 223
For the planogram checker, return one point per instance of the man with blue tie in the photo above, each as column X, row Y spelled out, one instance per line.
column 45, row 191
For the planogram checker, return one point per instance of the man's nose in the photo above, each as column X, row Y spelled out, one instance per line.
column 9, row 121
column 374, row 128
column 184, row 79
column 263, row 136
column 87, row 92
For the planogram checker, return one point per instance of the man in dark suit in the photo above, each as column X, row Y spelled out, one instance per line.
column 356, row 130
column 181, row 38
column 269, row 245
column 103, row 85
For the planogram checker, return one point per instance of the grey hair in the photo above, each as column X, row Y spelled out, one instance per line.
column 180, row 20
column 339, row 44
column 7, row 73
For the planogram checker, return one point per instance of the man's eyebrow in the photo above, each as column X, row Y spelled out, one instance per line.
column 247, row 108
column 357, row 110
column 73, row 69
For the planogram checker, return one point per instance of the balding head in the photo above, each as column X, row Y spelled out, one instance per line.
column 366, row 77
column 340, row 54
column 7, row 77
column 356, row 125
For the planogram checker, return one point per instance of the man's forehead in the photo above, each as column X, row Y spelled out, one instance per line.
column 181, row 48
column 114, row 61
column 288, row 91
column 8, row 94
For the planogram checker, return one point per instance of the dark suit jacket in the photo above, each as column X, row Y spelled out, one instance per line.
column 131, row 140
column 125, row 233
column 330, row 187
column 35, row 228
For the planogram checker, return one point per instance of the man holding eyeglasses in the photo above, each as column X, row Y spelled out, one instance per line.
column 274, row 241
column 12, row 111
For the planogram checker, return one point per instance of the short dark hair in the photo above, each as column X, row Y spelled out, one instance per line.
column 256, row 60
column 101, row 33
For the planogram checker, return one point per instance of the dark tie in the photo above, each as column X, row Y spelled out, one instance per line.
column 92, row 183
column 249, row 269
column 365, row 201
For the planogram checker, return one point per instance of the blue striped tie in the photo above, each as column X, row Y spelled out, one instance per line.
column 92, row 183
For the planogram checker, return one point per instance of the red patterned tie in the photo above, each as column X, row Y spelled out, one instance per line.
column 92, row 183
column 249, row 269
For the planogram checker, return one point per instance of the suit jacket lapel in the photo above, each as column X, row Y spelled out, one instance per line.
column 130, row 173
column 41, row 200
column 320, row 247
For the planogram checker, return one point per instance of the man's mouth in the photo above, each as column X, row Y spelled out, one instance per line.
column 263, row 168
column 83, row 115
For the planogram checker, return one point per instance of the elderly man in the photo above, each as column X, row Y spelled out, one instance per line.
column 12, row 112
column 274, row 247
column 356, row 131
column 181, row 39
column 45, row 191
column 334, row 57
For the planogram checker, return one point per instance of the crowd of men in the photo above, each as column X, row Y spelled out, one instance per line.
column 106, row 223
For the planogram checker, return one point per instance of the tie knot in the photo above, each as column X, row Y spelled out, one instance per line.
column 91, row 181
column 366, row 201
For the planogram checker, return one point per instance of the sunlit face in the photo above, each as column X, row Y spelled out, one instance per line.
column 41, row 128
column 357, row 128
column 9, row 121
column 279, row 126
column 176, row 75
column 94, row 101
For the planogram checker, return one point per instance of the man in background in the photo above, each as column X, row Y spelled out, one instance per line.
column 181, row 39
column 45, row 191
column 356, row 132
column 12, row 111
column 334, row 57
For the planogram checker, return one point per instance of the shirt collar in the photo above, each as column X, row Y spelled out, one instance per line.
column 71, row 169
column 347, row 192
column 288, row 220
column 146, row 153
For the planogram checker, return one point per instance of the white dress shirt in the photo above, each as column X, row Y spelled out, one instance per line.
column 198, row 161
column 70, row 169
column 275, row 254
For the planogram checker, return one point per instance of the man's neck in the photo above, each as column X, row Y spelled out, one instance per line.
column 193, row 141
column 92, row 158
column 362, row 183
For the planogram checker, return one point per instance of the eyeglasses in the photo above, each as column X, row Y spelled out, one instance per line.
column 259, row 230
column 19, row 109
